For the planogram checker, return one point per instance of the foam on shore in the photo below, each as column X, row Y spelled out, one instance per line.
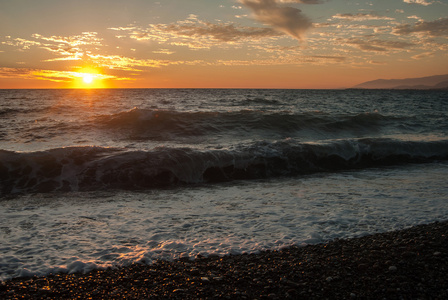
column 78, row 232
column 406, row 264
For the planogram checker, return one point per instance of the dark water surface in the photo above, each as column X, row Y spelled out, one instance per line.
column 98, row 178
column 74, row 140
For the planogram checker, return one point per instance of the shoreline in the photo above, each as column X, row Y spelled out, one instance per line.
column 405, row 264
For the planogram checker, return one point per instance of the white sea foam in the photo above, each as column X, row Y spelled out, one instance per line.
column 77, row 232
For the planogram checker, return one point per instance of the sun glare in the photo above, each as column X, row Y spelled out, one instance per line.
column 87, row 78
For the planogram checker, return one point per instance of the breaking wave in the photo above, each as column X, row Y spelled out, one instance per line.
column 154, row 124
column 97, row 168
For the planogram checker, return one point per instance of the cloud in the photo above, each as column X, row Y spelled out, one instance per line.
column 20, row 43
column 64, row 76
column 378, row 45
column 219, row 32
column 123, row 63
column 375, row 62
column 423, row 55
column 198, row 34
column 415, row 17
column 286, row 60
column 286, row 19
column 70, row 47
column 14, row 73
column 118, row 62
column 75, row 56
column 51, row 75
column 361, row 17
column 122, row 28
column 421, row 2
column 301, row 1
column 432, row 28
column 328, row 58
column 164, row 51
column 85, row 38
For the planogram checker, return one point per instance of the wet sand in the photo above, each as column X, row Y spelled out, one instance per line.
column 406, row 264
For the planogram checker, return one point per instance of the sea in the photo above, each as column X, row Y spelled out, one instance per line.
column 92, row 179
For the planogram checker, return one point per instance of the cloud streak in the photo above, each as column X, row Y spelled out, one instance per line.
column 421, row 2
column 219, row 32
column 378, row 45
column 361, row 17
column 197, row 34
column 289, row 20
column 51, row 75
column 432, row 28
column 301, row 1
column 286, row 60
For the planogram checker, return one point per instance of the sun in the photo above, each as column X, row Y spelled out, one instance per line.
column 87, row 78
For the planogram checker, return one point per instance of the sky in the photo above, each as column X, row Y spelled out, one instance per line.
column 303, row 44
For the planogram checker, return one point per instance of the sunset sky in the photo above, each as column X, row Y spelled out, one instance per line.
column 219, row 43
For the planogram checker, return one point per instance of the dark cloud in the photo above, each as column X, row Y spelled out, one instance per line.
column 289, row 20
column 432, row 28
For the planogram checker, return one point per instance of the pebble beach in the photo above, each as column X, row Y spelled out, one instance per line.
column 406, row 264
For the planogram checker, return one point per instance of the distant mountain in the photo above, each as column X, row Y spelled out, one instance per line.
column 423, row 83
column 443, row 85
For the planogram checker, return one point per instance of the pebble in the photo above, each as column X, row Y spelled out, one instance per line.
column 290, row 273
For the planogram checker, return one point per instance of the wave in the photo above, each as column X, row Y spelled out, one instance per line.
column 179, row 126
column 165, row 124
column 13, row 111
column 260, row 101
column 96, row 168
column 6, row 111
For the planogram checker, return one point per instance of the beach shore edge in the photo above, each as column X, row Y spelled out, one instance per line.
column 407, row 264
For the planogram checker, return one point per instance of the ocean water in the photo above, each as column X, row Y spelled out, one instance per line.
column 99, row 178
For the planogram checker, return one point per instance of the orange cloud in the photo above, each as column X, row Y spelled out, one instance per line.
column 378, row 45
column 20, row 43
column 85, row 38
column 197, row 34
column 361, row 17
column 301, row 1
column 286, row 60
column 132, row 64
column 50, row 75
column 218, row 32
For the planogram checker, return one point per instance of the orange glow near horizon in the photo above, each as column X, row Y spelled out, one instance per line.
column 255, row 44
column 88, row 78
